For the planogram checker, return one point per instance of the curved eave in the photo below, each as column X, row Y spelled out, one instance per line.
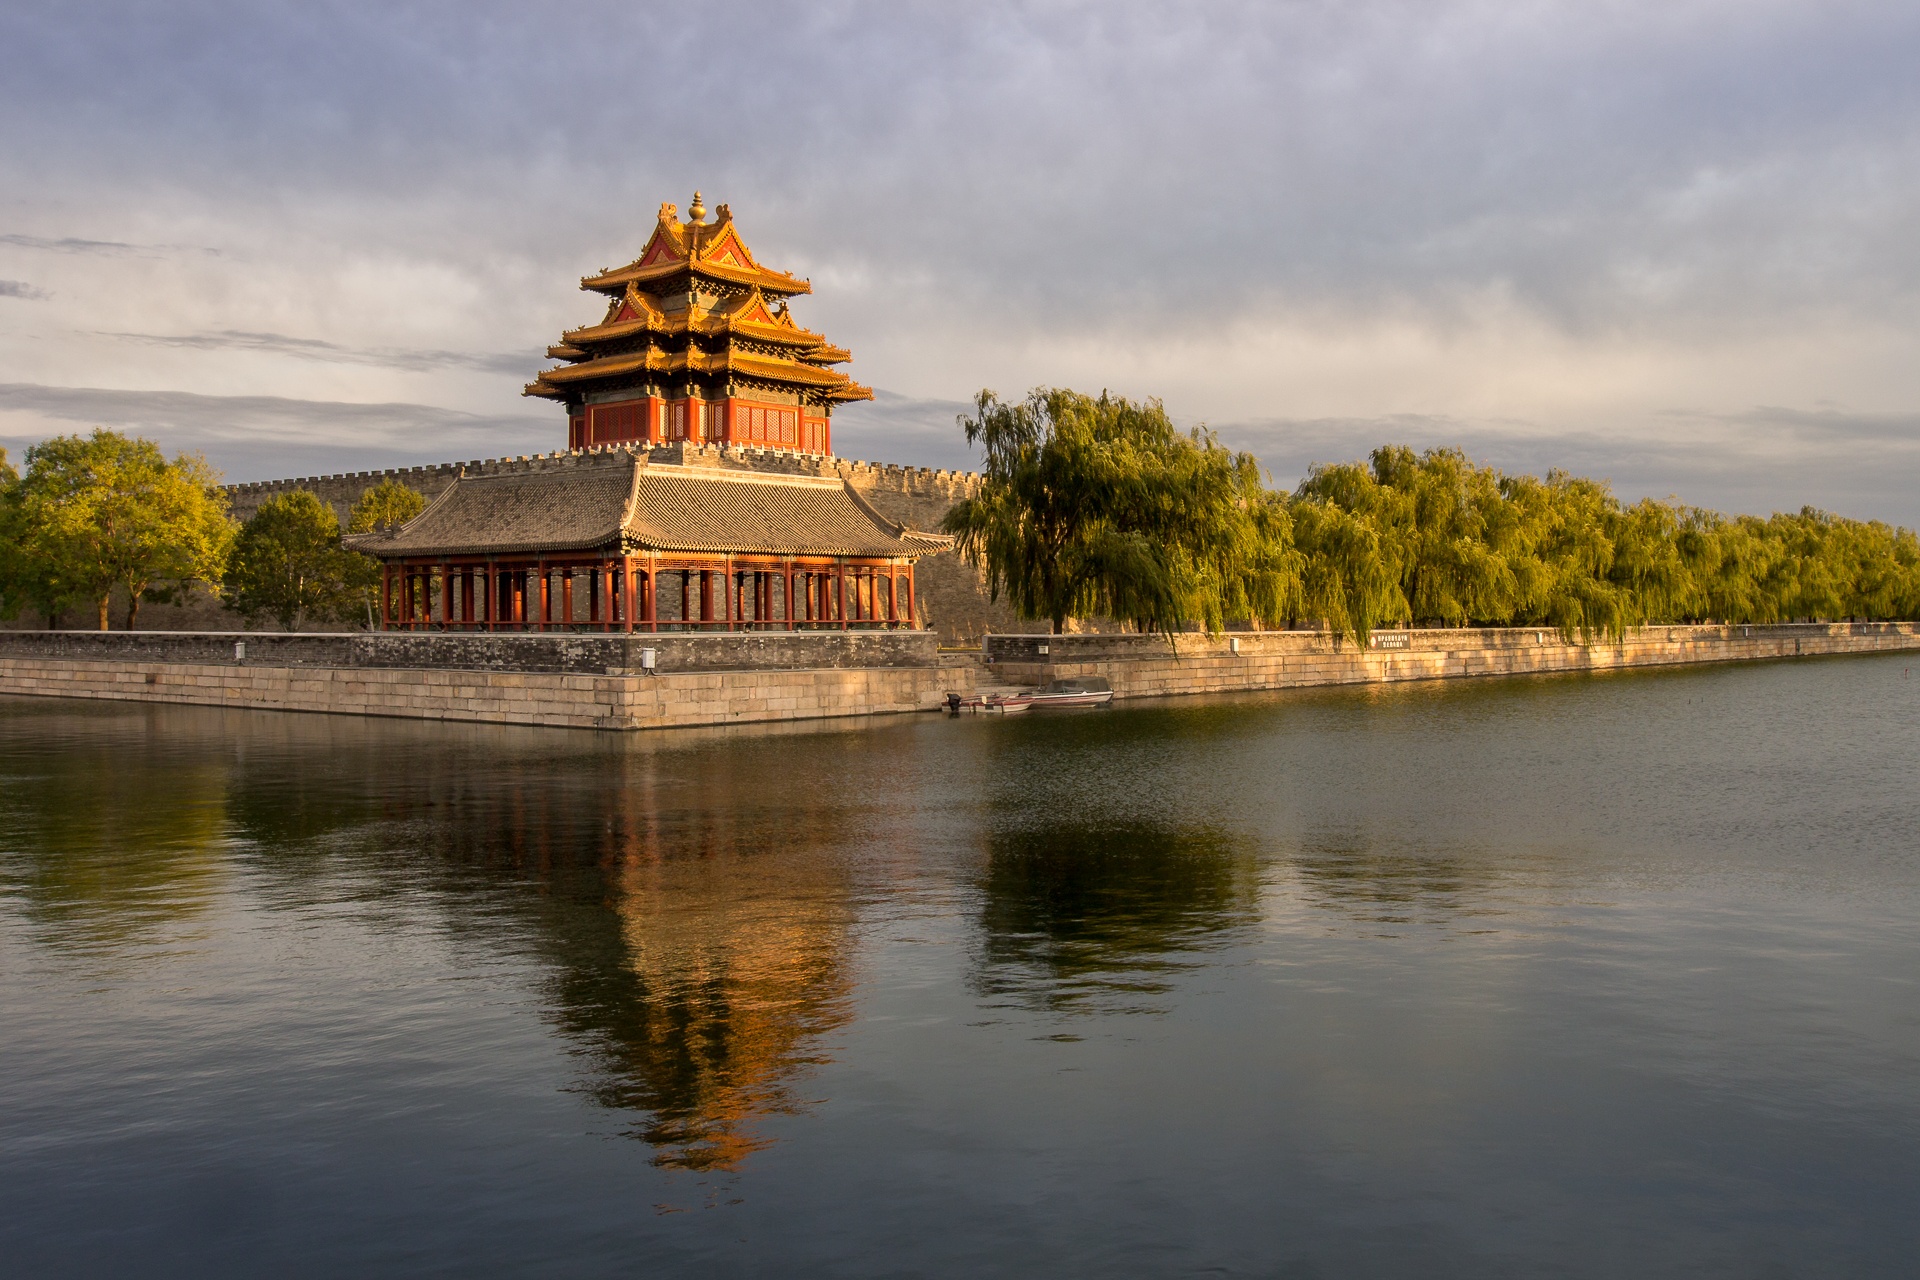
column 800, row 340
column 680, row 361
column 888, row 551
column 778, row 283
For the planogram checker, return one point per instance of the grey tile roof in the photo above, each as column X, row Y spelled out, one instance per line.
column 696, row 509
column 551, row 508
column 588, row 501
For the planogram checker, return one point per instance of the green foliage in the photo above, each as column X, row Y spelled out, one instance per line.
column 1101, row 507
column 384, row 506
column 102, row 511
column 288, row 564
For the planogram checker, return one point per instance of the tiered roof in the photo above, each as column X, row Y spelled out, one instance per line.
column 696, row 305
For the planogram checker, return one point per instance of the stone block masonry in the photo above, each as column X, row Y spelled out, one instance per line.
column 582, row 681
column 553, row 680
column 565, row 652
column 618, row 702
column 1146, row 666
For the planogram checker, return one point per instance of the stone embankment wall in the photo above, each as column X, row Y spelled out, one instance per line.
column 567, row 653
column 1146, row 666
column 951, row 594
column 674, row 700
column 576, row 681
column 592, row 681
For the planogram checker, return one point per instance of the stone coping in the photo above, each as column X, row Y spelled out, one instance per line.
column 1056, row 649
column 575, row 653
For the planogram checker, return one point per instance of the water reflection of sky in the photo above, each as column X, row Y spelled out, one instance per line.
column 1391, row 940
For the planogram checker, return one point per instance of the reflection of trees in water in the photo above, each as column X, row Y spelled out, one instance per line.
column 1389, row 882
column 1075, row 916
column 108, row 848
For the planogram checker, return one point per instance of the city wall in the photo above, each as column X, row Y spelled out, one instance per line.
column 1148, row 666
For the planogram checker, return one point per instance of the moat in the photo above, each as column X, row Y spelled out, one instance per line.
column 1585, row 975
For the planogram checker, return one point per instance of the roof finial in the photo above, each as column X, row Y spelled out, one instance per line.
column 696, row 212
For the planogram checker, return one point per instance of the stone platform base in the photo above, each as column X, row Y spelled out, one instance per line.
column 1145, row 666
column 499, row 697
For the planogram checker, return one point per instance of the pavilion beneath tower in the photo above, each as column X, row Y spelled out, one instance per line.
column 697, row 345
column 605, row 539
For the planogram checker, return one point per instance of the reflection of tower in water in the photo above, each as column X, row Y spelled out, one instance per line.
column 741, row 967
column 723, row 960
column 693, row 906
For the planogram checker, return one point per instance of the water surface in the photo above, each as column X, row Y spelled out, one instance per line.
column 1576, row 975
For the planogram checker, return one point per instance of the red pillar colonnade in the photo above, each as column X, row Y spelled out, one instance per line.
column 755, row 593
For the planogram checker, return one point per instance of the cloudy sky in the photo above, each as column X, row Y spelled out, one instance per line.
column 1672, row 244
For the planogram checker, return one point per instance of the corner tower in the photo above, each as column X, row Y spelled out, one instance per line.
column 698, row 345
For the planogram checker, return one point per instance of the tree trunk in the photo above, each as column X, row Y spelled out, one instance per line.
column 103, row 611
column 133, row 610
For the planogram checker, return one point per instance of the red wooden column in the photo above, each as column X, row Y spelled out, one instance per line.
column 913, row 621
column 893, row 600
column 649, row 601
column 788, row 575
column 546, row 601
column 706, row 595
column 446, row 596
column 840, row 584
column 566, row 597
column 626, row 593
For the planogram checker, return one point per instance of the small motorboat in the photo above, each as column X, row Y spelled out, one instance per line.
column 1005, row 703
column 1075, row 691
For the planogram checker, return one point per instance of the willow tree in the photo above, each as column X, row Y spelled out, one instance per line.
column 1101, row 507
column 1347, row 575
column 104, row 511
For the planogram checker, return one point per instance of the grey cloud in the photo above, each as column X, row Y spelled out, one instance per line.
column 269, row 437
column 21, row 289
column 106, row 248
column 904, row 429
column 1757, row 462
column 1600, row 165
column 406, row 358
column 263, row 437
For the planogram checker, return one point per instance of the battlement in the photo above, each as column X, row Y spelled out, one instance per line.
column 432, row 478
